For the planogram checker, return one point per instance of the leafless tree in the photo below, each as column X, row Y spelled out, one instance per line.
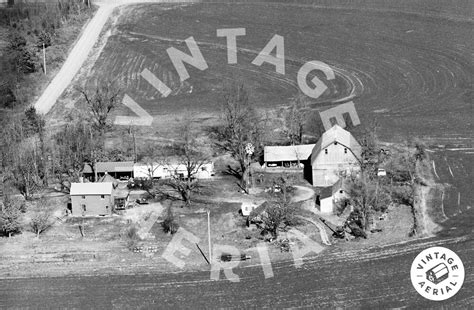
column 24, row 172
column 295, row 119
column 74, row 144
column 241, row 126
column 280, row 211
column 40, row 220
column 191, row 159
column 406, row 168
column 367, row 195
column 153, row 158
column 100, row 102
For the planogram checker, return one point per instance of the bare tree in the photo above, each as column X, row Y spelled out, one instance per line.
column 280, row 211
column 153, row 158
column 295, row 119
column 367, row 195
column 101, row 101
column 242, row 126
column 74, row 144
column 406, row 168
column 40, row 220
column 191, row 159
column 24, row 173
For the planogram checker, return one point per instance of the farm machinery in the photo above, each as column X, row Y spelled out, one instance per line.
column 352, row 225
column 339, row 233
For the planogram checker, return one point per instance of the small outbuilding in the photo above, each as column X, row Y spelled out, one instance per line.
column 246, row 208
column 92, row 199
column 120, row 170
column 329, row 197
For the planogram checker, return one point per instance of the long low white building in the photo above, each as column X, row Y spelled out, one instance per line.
column 165, row 171
column 286, row 156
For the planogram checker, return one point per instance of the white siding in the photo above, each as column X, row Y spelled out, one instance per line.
column 330, row 162
column 327, row 206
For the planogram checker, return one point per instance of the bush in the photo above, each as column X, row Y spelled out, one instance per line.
column 45, row 38
column 132, row 237
column 169, row 224
column 21, row 56
column 10, row 218
column 41, row 219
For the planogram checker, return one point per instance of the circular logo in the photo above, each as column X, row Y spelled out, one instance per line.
column 437, row 273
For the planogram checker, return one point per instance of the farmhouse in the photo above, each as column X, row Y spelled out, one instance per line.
column 92, row 199
column 329, row 197
column 121, row 170
column 336, row 151
column 287, row 156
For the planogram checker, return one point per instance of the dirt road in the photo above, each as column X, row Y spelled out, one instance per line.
column 80, row 51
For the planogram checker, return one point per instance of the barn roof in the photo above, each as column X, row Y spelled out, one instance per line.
column 287, row 153
column 91, row 189
column 341, row 184
column 110, row 166
column 325, row 192
column 336, row 134
column 107, row 178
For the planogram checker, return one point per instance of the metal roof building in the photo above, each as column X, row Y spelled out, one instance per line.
column 336, row 134
column 286, row 155
column 81, row 189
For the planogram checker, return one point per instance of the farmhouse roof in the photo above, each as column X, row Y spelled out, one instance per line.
column 336, row 134
column 91, row 189
column 287, row 153
column 110, row 166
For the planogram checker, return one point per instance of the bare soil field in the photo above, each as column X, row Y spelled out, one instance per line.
column 412, row 73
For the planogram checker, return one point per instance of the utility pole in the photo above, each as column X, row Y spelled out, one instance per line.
column 134, row 146
column 44, row 59
column 209, row 233
column 132, row 133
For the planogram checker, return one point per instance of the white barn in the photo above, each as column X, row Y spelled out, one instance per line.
column 336, row 151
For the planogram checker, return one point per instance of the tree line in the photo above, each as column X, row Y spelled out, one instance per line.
column 30, row 27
